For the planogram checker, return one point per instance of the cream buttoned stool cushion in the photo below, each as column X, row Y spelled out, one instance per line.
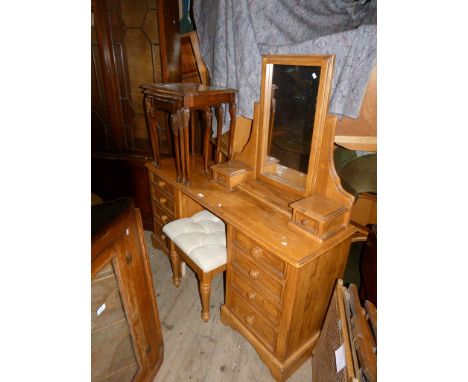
column 200, row 241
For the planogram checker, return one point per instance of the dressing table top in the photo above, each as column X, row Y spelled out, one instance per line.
column 259, row 221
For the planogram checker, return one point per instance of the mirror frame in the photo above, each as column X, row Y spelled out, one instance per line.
column 325, row 62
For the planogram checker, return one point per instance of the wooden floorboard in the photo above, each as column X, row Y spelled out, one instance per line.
column 198, row 351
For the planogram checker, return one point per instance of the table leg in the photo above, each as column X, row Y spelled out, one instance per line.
column 186, row 145
column 175, row 124
column 219, row 132
column 150, row 114
column 181, row 146
column 232, row 113
column 193, row 123
column 206, row 146
column 170, row 149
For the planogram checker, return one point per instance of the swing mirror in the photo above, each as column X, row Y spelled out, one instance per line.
column 295, row 91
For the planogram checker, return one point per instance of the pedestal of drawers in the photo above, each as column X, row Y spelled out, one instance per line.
column 277, row 307
column 164, row 209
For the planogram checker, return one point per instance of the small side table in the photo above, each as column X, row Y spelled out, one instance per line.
column 179, row 99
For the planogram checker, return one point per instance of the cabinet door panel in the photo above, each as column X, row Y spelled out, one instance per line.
column 126, row 334
column 111, row 343
column 134, row 58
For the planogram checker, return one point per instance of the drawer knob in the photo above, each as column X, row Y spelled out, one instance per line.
column 254, row 274
column 305, row 221
column 256, row 251
column 163, row 237
column 161, row 184
column 250, row 319
column 162, row 200
column 251, row 296
column 164, row 218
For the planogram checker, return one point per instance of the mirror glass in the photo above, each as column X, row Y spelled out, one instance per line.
column 293, row 104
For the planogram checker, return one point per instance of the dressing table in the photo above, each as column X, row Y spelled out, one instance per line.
column 288, row 232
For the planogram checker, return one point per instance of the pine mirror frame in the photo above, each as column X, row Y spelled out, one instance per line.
column 297, row 183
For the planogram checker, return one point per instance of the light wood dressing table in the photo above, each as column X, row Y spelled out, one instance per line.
column 288, row 235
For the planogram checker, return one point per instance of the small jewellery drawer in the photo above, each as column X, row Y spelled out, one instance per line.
column 162, row 186
column 254, row 322
column 256, row 275
column 306, row 222
column 161, row 215
column 163, row 200
column 220, row 178
column 258, row 254
column 254, row 297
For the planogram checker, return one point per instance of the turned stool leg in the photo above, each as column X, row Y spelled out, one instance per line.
column 175, row 264
column 205, row 291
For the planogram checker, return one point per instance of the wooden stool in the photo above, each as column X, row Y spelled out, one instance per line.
column 200, row 241
column 180, row 99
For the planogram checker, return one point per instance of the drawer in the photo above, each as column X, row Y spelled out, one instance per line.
column 256, row 275
column 253, row 322
column 157, row 229
column 159, row 244
column 220, row 178
column 158, row 238
column 161, row 215
column 259, row 255
column 163, row 200
column 162, row 186
column 305, row 222
column 255, row 299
